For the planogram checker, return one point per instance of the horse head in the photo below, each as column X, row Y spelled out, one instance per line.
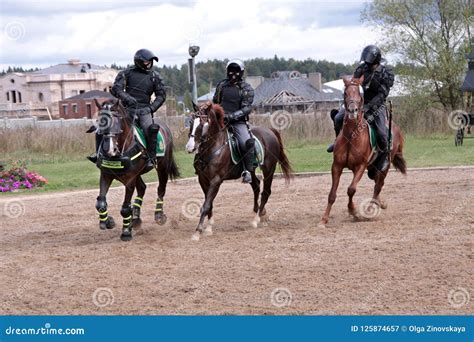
column 111, row 115
column 353, row 99
column 206, row 121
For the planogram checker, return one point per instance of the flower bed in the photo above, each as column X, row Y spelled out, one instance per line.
column 18, row 178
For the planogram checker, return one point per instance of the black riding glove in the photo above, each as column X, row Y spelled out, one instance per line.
column 128, row 100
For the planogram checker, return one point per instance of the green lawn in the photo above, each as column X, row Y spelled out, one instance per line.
column 75, row 172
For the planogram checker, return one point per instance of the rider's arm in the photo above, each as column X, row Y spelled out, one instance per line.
column 160, row 94
column 386, row 82
column 118, row 89
column 215, row 98
column 246, row 102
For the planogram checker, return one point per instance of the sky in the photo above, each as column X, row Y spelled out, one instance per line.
column 42, row 33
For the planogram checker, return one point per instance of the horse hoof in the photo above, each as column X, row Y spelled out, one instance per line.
column 136, row 222
column 160, row 219
column 255, row 221
column 321, row 225
column 195, row 236
column 126, row 236
column 207, row 231
column 383, row 205
column 108, row 224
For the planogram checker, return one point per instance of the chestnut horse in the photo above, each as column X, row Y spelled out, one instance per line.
column 116, row 126
column 353, row 150
column 208, row 135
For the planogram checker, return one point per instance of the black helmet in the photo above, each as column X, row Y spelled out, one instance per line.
column 371, row 55
column 144, row 55
column 235, row 70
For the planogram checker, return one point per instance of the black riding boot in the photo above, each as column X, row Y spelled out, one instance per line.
column 248, row 157
column 151, row 144
column 338, row 123
column 93, row 157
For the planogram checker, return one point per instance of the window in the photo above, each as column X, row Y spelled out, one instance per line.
column 12, row 80
column 19, row 97
column 65, row 109
column 74, row 108
column 8, row 95
column 41, row 97
column 74, row 92
column 82, row 91
column 13, row 96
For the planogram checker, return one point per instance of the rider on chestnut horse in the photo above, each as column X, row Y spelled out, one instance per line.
column 236, row 97
column 134, row 86
column 378, row 79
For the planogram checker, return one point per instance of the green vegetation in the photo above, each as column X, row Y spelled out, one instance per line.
column 75, row 172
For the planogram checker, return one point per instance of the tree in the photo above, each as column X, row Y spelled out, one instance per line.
column 433, row 35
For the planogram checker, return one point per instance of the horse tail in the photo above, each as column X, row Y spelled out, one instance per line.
column 172, row 167
column 283, row 159
column 398, row 161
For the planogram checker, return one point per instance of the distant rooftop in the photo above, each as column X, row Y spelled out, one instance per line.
column 93, row 94
column 72, row 66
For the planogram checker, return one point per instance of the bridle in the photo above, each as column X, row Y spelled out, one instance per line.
column 353, row 107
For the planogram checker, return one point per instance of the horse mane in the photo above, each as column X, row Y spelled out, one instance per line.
column 218, row 115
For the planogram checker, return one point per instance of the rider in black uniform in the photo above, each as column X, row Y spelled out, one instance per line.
column 378, row 79
column 134, row 86
column 236, row 97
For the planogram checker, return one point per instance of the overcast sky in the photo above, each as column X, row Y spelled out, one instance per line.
column 43, row 33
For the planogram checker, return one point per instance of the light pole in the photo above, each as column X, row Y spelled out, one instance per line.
column 193, row 51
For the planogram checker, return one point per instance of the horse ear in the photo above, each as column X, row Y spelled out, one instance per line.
column 346, row 80
column 115, row 103
column 195, row 107
column 97, row 103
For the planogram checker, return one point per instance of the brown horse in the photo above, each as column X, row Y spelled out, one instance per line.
column 208, row 135
column 121, row 158
column 353, row 150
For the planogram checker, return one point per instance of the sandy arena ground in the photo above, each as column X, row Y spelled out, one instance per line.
column 415, row 257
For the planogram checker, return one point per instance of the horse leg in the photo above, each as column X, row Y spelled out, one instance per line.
column 126, row 211
column 160, row 216
column 256, row 192
column 379, row 183
column 351, row 190
column 266, row 192
column 211, row 194
column 336, row 172
column 105, row 221
column 138, row 201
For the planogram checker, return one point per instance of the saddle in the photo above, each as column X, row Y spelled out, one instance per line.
column 235, row 154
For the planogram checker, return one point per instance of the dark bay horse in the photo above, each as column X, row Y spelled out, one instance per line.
column 116, row 126
column 208, row 135
column 353, row 150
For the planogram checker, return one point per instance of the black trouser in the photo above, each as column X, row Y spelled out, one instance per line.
column 246, row 143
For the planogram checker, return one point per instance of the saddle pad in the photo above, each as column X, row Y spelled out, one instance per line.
column 373, row 138
column 160, row 140
column 259, row 156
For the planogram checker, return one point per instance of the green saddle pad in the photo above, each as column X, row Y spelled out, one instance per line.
column 373, row 138
column 160, row 140
column 259, row 156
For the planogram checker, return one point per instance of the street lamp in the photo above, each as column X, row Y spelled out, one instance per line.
column 193, row 51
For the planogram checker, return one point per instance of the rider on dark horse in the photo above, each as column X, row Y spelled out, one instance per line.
column 236, row 97
column 134, row 86
column 378, row 79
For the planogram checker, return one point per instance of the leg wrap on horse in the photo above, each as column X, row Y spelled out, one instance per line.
column 159, row 206
column 101, row 206
column 126, row 213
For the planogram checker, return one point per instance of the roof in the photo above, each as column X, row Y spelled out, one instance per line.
column 69, row 68
column 398, row 89
column 468, row 84
column 93, row 94
column 284, row 90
